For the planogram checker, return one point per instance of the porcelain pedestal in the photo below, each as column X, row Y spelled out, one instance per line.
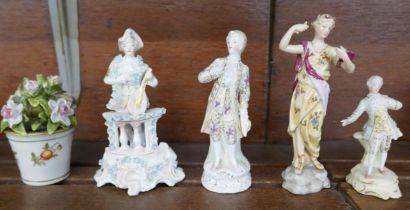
column 134, row 160
column 311, row 180
column 221, row 181
column 382, row 185
column 231, row 174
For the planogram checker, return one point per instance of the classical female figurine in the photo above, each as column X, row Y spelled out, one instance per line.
column 134, row 159
column 226, row 170
column 310, row 99
column 376, row 138
column 129, row 75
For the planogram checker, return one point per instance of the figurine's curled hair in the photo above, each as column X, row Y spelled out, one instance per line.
column 375, row 81
column 327, row 19
column 130, row 36
column 241, row 35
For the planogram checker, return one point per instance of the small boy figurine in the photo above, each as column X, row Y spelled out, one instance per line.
column 380, row 129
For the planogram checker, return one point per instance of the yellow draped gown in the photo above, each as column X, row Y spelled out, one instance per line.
column 306, row 110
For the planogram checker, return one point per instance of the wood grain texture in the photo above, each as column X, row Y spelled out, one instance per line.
column 90, row 197
column 26, row 43
column 181, row 38
column 377, row 31
column 79, row 190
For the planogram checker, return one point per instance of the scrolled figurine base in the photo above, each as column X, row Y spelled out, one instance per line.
column 382, row 185
column 221, row 181
column 311, row 180
column 134, row 160
column 139, row 171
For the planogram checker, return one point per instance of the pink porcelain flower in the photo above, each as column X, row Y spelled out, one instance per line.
column 12, row 113
column 31, row 86
column 61, row 111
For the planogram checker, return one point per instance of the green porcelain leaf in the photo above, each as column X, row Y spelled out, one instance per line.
column 19, row 129
column 51, row 127
column 3, row 125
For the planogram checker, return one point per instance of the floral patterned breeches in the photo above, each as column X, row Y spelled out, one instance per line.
column 380, row 143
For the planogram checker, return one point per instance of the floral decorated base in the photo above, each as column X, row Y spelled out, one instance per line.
column 311, row 180
column 41, row 158
column 139, row 170
column 382, row 185
column 224, row 182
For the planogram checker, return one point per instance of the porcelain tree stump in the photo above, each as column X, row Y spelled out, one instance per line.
column 134, row 160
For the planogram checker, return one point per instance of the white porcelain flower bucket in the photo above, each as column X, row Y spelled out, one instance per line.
column 42, row 159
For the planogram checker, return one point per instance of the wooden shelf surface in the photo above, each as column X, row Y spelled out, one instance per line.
column 268, row 161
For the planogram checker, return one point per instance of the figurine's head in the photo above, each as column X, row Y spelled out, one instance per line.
column 323, row 25
column 236, row 41
column 374, row 83
column 130, row 42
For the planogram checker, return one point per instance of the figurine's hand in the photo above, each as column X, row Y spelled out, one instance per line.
column 298, row 28
column 245, row 122
column 341, row 52
column 149, row 74
column 345, row 122
column 246, row 126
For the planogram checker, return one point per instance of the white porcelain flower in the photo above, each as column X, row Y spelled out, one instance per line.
column 31, row 86
column 54, row 80
column 61, row 111
column 12, row 113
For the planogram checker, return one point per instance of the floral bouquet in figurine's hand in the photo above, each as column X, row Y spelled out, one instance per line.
column 37, row 106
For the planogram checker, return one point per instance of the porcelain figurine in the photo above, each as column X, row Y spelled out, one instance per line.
column 309, row 102
column 134, row 160
column 370, row 177
column 129, row 75
column 226, row 169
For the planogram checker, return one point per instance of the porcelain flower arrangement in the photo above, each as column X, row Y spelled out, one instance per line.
column 37, row 106
column 39, row 120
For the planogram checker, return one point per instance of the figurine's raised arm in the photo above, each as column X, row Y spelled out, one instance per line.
column 212, row 72
column 393, row 104
column 356, row 114
column 347, row 63
column 284, row 42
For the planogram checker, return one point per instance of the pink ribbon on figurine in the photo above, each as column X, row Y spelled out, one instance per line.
column 298, row 66
column 321, row 85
